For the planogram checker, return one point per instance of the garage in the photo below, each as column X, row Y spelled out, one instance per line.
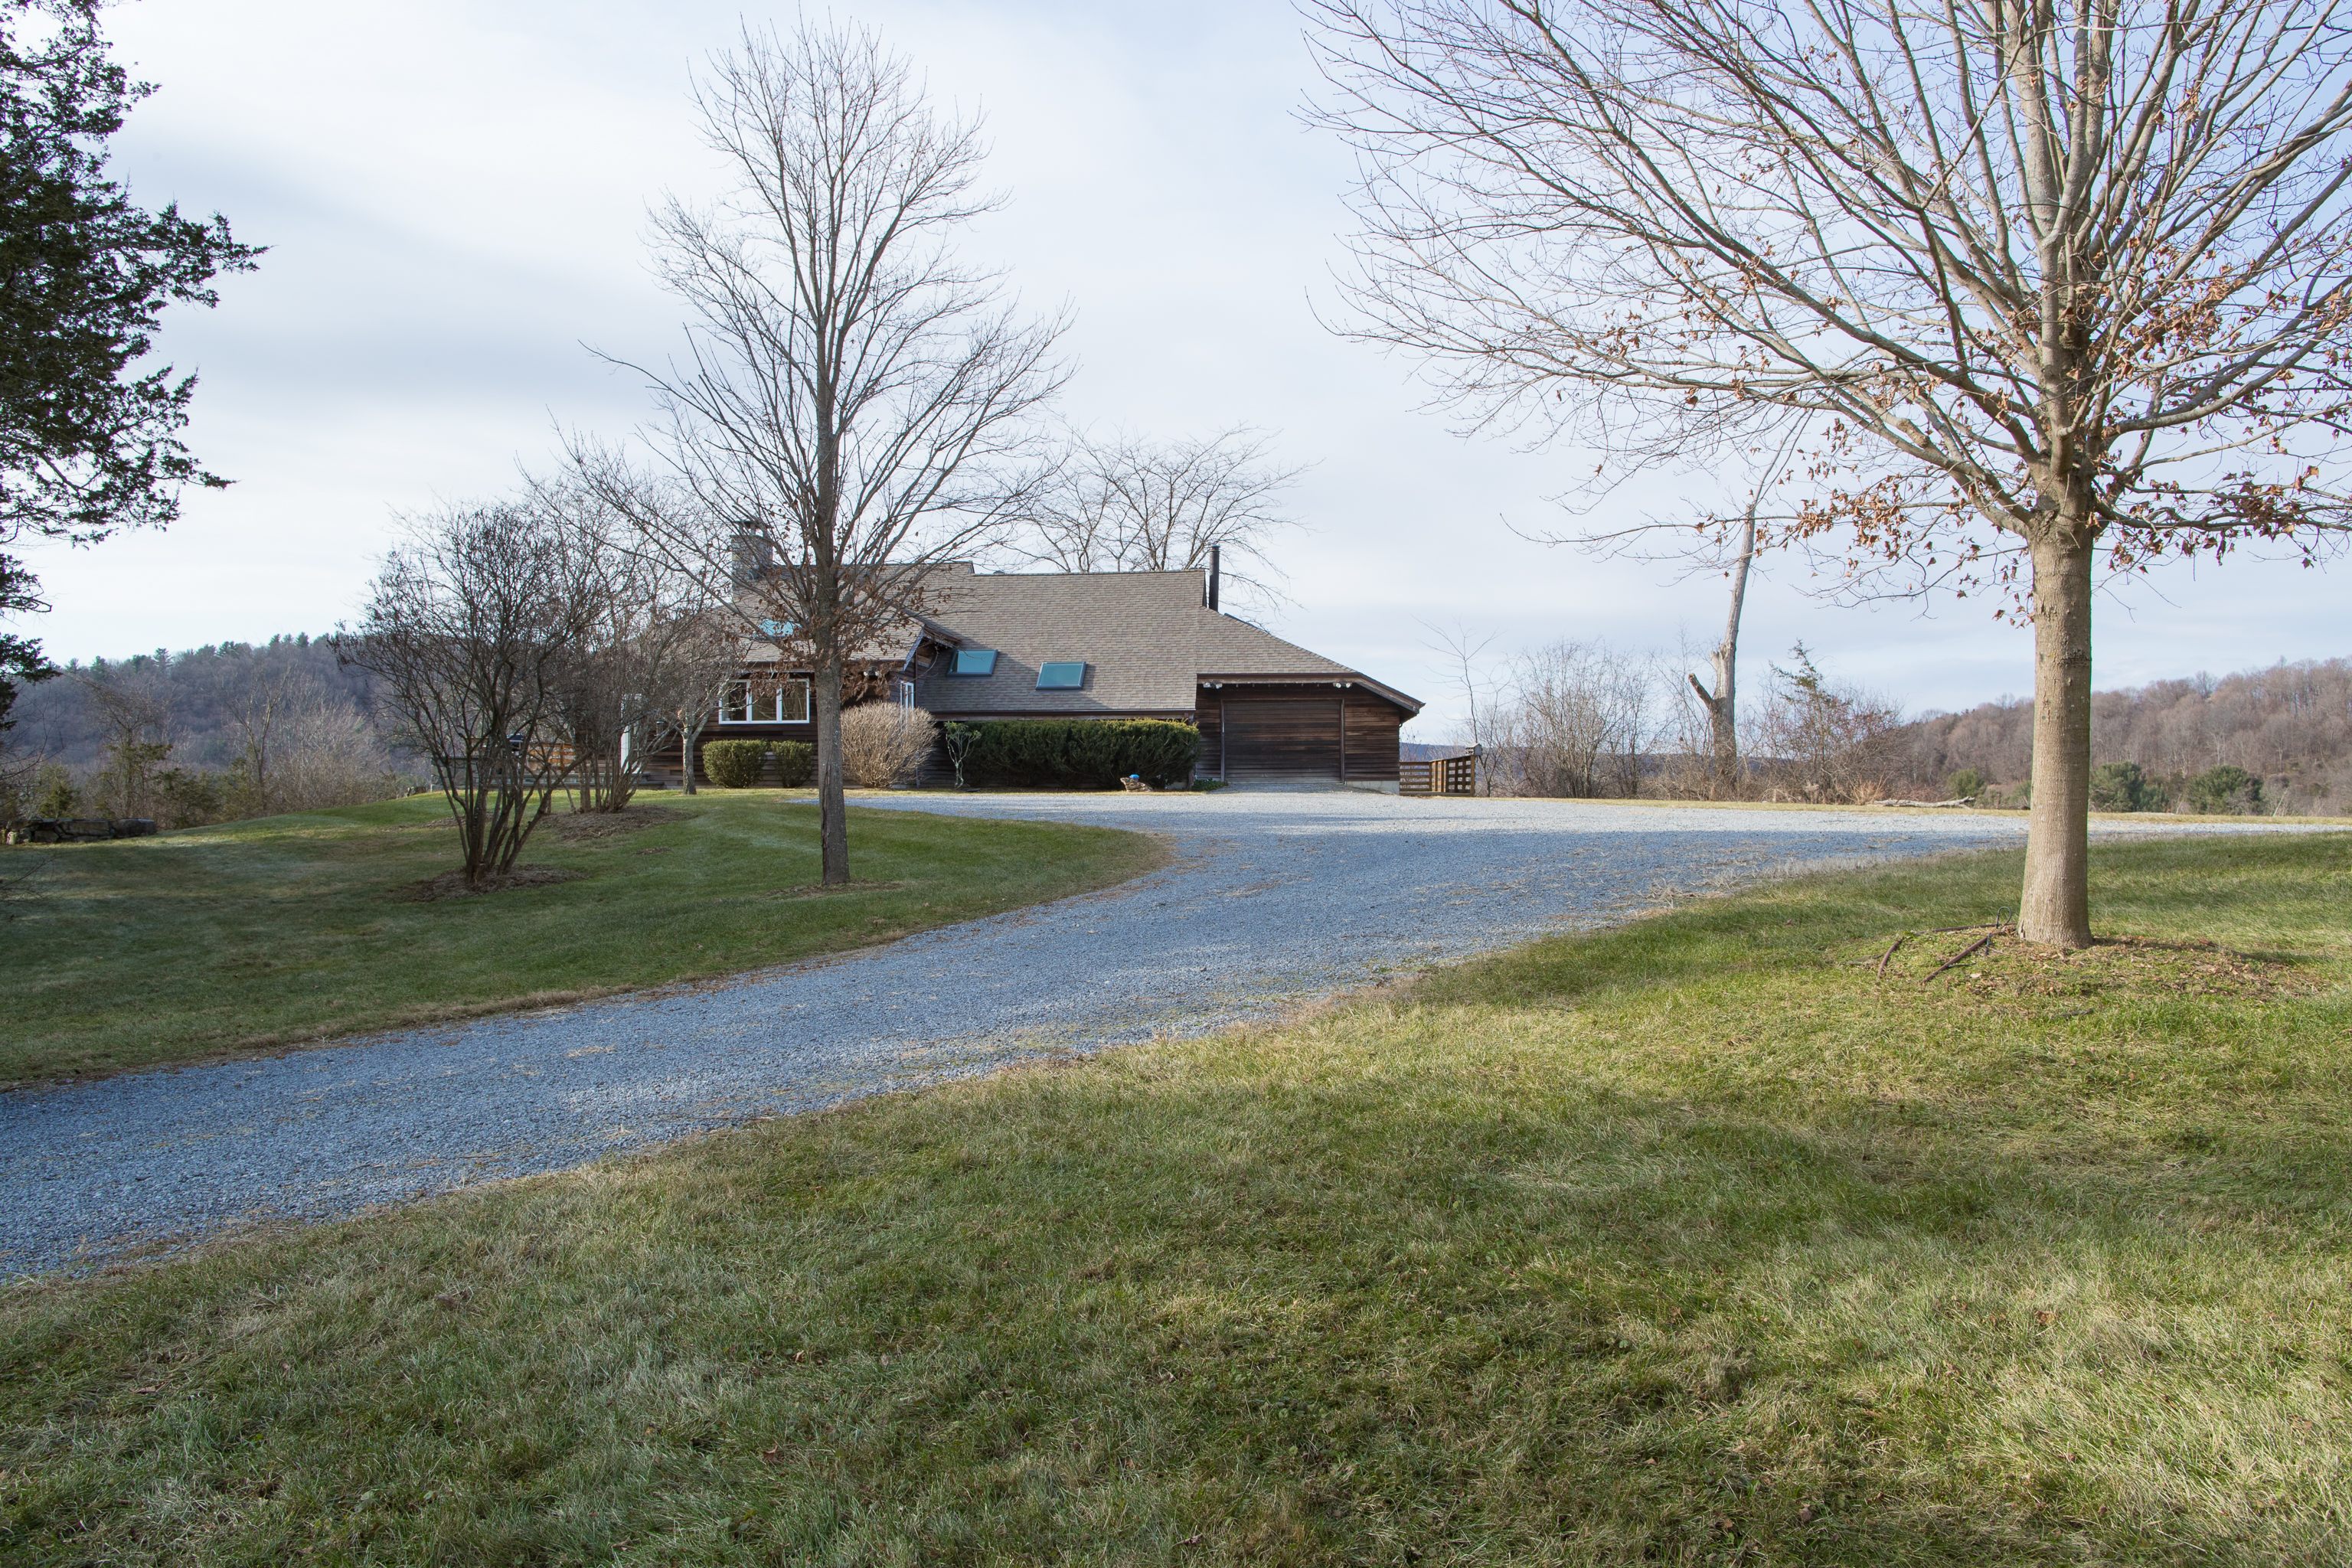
column 1282, row 738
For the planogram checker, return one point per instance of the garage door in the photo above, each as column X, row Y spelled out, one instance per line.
column 1283, row 740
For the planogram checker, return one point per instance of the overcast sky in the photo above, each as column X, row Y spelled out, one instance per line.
column 455, row 196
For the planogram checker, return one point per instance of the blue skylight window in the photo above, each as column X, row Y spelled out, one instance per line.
column 1061, row 677
column 776, row 628
column 976, row 661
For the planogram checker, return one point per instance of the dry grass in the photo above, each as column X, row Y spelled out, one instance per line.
column 1692, row 1242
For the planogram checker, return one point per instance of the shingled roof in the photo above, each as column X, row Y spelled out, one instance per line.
column 1147, row 639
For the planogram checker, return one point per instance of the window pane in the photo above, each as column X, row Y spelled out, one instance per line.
column 732, row 709
column 976, row 661
column 1061, row 677
column 795, row 703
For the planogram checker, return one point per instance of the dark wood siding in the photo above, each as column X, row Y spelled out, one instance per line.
column 1282, row 737
column 1372, row 725
column 1261, row 731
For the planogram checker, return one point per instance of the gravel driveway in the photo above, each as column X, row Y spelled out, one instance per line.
column 1274, row 897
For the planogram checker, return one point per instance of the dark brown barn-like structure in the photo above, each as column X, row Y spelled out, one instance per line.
column 1146, row 644
column 1106, row 644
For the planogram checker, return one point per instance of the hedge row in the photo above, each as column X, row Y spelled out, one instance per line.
column 1081, row 753
column 736, row 764
column 1024, row 753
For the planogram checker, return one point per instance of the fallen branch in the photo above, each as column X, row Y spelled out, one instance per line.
column 1964, row 800
column 1883, row 957
column 1977, row 946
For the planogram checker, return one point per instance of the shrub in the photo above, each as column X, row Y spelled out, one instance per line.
column 55, row 793
column 795, row 763
column 2123, row 787
column 186, row 799
column 1083, row 753
column 734, row 765
column 2226, row 791
column 1966, row 781
column 1824, row 741
column 881, row 743
column 328, row 755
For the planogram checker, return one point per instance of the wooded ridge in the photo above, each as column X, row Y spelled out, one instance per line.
column 2289, row 725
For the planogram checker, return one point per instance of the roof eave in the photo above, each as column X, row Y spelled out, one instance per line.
column 1335, row 678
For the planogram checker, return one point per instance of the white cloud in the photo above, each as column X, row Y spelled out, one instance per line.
column 455, row 196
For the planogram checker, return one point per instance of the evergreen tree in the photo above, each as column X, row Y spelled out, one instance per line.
column 89, row 436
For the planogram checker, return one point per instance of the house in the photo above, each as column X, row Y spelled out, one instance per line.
column 1106, row 644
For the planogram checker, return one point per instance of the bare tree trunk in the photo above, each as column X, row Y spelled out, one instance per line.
column 833, row 826
column 264, row 695
column 687, row 734
column 1722, row 704
column 2055, row 905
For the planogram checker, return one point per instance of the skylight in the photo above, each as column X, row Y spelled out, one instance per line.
column 1061, row 677
column 776, row 628
column 976, row 661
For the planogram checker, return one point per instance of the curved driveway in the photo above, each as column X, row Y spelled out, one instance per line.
column 1274, row 897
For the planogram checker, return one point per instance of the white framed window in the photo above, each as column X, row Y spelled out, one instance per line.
column 764, row 699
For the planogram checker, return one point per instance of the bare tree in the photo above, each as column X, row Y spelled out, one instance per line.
column 272, row 688
column 1128, row 505
column 1461, row 648
column 469, row 630
column 326, row 754
column 694, row 704
column 1722, row 704
column 136, row 709
column 1826, row 741
column 654, row 651
column 1574, row 721
column 1712, row 543
column 2049, row 278
column 853, row 402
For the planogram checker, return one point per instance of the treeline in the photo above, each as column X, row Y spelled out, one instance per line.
column 1587, row 719
column 2171, row 745
column 220, row 733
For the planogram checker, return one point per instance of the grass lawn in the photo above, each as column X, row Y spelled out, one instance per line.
column 1696, row 1241
column 150, row 950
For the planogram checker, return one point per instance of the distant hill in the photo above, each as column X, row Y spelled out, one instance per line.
column 2290, row 725
column 200, row 693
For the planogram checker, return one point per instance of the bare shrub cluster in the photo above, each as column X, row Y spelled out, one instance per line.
column 1584, row 719
column 1574, row 719
column 526, row 647
column 882, row 743
column 1815, row 740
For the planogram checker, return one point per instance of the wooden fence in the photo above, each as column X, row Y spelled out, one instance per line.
column 1444, row 775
